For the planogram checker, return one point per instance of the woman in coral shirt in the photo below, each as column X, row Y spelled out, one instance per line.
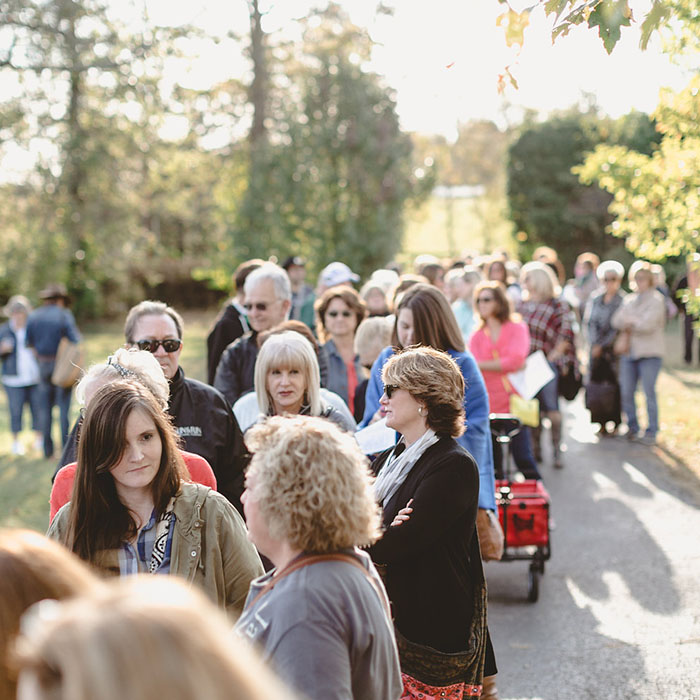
column 501, row 345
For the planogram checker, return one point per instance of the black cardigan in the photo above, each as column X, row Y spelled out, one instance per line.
column 429, row 576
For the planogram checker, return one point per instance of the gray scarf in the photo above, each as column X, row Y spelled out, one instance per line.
column 396, row 469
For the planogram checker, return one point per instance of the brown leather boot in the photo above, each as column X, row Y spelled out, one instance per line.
column 488, row 688
column 555, row 418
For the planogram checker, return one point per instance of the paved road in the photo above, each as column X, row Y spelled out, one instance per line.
column 619, row 609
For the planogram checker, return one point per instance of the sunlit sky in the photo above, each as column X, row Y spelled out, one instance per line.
column 443, row 58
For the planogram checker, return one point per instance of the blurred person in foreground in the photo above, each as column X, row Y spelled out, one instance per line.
column 201, row 415
column 32, row 568
column 46, row 327
column 135, row 365
column 642, row 318
column 20, row 372
column 321, row 616
column 133, row 509
column 268, row 299
column 140, row 640
column 501, row 345
column 428, row 487
column 424, row 317
column 232, row 321
column 339, row 311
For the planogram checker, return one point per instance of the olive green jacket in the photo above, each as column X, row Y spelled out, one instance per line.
column 210, row 546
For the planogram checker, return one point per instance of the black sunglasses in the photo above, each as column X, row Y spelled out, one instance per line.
column 169, row 344
column 259, row 306
column 482, row 300
column 344, row 314
column 389, row 389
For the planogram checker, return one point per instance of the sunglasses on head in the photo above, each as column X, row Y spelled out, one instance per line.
column 259, row 306
column 389, row 389
column 344, row 314
column 169, row 344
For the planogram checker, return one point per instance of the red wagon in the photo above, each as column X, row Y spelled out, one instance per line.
column 523, row 509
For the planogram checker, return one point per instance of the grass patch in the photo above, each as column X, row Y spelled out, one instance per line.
column 678, row 391
column 446, row 228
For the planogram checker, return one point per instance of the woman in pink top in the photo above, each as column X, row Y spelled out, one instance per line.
column 500, row 345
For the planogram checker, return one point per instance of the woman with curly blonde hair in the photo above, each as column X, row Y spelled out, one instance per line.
column 321, row 615
column 428, row 486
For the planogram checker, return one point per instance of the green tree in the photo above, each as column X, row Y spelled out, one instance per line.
column 656, row 197
column 336, row 172
column 113, row 209
column 548, row 204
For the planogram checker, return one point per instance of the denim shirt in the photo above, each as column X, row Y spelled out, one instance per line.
column 337, row 380
column 47, row 325
column 476, row 439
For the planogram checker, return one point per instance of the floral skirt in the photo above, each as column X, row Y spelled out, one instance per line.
column 416, row 690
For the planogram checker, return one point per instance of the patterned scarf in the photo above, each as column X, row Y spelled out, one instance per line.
column 161, row 539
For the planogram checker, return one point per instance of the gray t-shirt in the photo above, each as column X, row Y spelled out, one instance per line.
column 324, row 629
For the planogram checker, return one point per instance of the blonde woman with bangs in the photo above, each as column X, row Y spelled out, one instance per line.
column 288, row 381
column 320, row 617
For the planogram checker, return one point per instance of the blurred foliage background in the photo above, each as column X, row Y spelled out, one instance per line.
column 135, row 186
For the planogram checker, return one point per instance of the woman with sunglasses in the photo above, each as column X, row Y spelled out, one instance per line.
column 428, row 487
column 339, row 311
column 424, row 317
column 500, row 345
column 133, row 509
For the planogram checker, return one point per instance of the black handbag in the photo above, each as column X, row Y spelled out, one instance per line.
column 570, row 381
column 603, row 391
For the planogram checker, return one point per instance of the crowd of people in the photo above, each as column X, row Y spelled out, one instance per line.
column 337, row 572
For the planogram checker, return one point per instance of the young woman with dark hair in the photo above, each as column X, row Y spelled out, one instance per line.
column 133, row 511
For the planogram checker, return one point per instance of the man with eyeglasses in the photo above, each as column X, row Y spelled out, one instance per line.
column 268, row 298
column 202, row 416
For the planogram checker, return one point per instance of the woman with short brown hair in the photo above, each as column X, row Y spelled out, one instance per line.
column 424, row 317
column 428, row 487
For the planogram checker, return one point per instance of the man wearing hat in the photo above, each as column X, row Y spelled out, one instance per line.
column 334, row 274
column 302, row 294
column 45, row 328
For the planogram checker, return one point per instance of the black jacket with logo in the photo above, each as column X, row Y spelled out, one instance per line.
column 206, row 424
